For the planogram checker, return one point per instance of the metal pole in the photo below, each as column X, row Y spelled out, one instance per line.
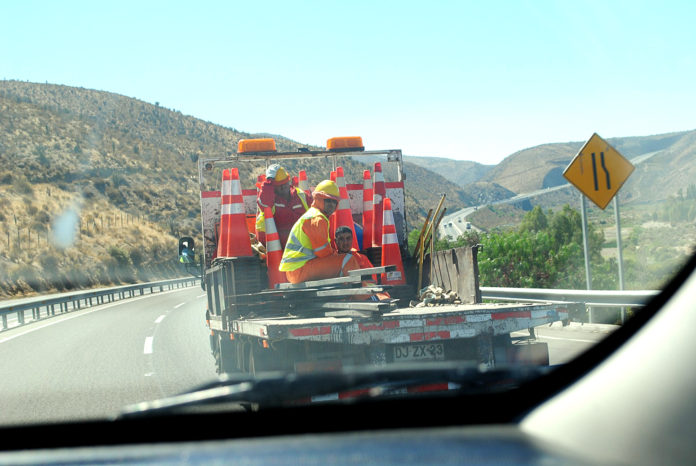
column 619, row 250
column 586, row 245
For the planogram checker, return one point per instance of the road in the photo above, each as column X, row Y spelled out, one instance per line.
column 454, row 224
column 91, row 363
column 565, row 343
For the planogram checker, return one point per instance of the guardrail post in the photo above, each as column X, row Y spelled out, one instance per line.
column 4, row 321
column 90, row 301
column 20, row 316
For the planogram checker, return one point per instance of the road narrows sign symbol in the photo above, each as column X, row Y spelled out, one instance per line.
column 598, row 171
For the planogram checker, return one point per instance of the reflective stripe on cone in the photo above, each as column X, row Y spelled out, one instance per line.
column 368, row 210
column 234, row 236
column 274, row 252
column 391, row 254
column 378, row 205
column 344, row 216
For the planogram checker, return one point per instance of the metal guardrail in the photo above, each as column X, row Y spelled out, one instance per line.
column 591, row 298
column 83, row 299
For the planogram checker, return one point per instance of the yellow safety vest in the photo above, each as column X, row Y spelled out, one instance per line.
column 298, row 249
column 261, row 217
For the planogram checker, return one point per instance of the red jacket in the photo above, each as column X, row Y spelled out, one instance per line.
column 286, row 213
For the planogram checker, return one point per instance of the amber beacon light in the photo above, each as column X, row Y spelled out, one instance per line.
column 345, row 143
column 247, row 146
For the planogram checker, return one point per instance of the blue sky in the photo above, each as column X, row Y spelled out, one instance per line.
column 468, row 80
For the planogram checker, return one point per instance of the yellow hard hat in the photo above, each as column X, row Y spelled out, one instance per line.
column 327, row 189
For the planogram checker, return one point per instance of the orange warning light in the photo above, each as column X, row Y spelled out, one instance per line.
column 345, row 143
column 246, row 146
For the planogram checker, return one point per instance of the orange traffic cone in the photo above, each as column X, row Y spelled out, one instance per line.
column 225, row 192
column 368, row 210
column 274, row 252
column 344, row 215
column 379, row 194
column 234, row 238
column 303, row 183
column 332, row 219
column 391, row 254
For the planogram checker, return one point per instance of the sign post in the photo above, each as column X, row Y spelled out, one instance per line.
column 598, row 171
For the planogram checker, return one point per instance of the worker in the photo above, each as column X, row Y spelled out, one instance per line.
column 308, row 254
column 288, row 202
column 186, row 256
column 344, row 243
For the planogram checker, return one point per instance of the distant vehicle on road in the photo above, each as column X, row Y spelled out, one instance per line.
column 468, row 226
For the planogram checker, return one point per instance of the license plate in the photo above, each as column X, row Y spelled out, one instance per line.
column 432, row 351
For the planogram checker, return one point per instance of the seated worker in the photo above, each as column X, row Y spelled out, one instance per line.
column 344, row 241
column 308, row 254
column 288, row 203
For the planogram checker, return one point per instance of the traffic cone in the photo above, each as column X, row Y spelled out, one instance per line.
column 234, row 238
column 274, row 252
column 225, row 193
column 391, row 254
column 368, row 210
column 332, row 218
column 303, row 183
column 344, row 215
column 379, row 194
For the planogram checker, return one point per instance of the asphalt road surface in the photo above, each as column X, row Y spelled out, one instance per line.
column 91, row 363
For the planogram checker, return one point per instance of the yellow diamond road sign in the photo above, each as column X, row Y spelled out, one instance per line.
column 598, row 171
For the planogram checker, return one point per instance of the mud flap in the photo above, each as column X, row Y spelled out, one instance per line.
column 536, row 353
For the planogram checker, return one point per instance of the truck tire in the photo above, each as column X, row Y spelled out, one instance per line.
column 226, row 357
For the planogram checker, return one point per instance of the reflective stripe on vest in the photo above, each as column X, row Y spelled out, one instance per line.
column 298, row 249
column 261, row 218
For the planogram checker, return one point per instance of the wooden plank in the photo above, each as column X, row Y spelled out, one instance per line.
column 373, row 270
column 360, row 306
column 351, row 291
column 319, row 283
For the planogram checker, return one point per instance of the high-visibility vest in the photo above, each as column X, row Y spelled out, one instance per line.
column 261, row 218
column 298, row 250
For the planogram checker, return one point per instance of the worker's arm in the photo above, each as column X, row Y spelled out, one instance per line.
column 317, row 230
column 267, row 195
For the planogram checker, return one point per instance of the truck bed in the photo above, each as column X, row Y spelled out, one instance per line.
column 405, row 325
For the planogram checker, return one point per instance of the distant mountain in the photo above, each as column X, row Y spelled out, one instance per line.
column 665, row 163
column 460, row 172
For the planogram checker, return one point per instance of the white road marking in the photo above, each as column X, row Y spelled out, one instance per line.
column 80, row 314
column 149, row 374
column 160, row 319
column 179, row 305
column 201, row 296
column 148, row 346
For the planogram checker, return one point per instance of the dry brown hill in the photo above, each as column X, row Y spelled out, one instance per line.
column 664, row 163
column 128, row 168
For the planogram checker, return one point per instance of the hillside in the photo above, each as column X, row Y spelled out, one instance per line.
column 459, row 172
column 127, row 170
column 667, row 164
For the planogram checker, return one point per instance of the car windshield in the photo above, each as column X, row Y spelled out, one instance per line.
column 191, row 195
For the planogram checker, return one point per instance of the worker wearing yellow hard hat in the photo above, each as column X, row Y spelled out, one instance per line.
column 288, row 203
column 308, row 254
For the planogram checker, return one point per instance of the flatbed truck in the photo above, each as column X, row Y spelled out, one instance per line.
column 319, row 326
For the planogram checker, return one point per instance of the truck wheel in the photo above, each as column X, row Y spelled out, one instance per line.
column 226, row 357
